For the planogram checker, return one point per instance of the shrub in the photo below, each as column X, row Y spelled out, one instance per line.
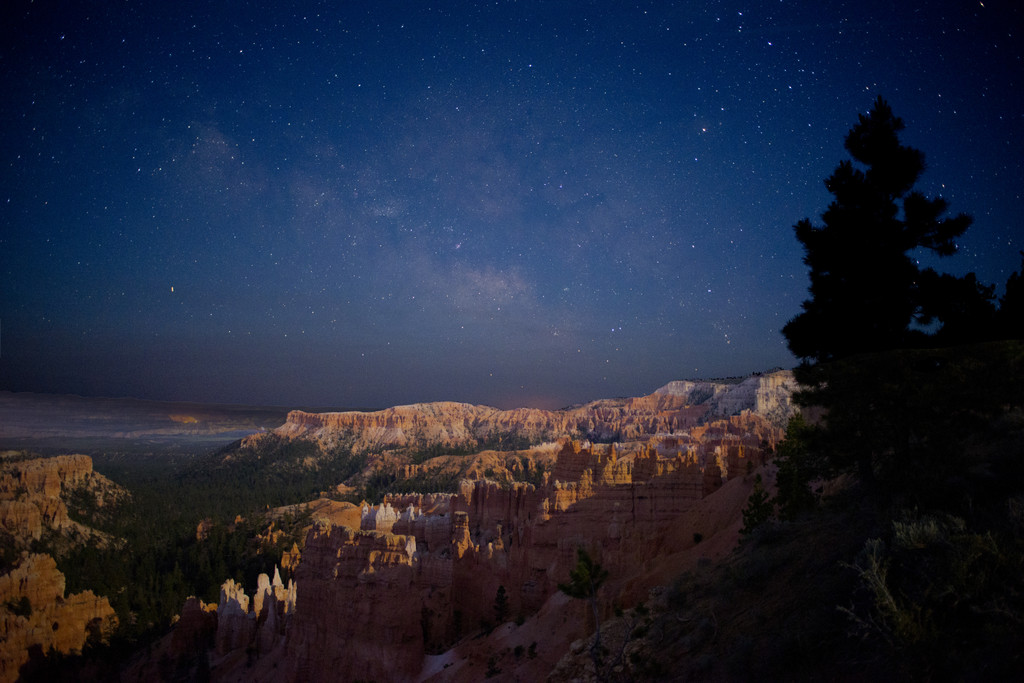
column 759, row 510
column 797, row 468
column 944, row 596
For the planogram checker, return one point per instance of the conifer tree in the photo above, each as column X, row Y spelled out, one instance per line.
column 760, row 508
column 869, row 296
column 584, row 581
column 866, row 286
column 500, row 605
column 1011, row 305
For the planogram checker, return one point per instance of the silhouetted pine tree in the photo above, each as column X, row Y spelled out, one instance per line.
column 1011, row 305
column 870, row 298
column 866, row 287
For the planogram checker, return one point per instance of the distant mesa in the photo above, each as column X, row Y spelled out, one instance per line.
column 676, row 406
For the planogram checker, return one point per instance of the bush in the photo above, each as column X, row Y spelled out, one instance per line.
column 759, row 510
column 798, row 466
column 945, row 598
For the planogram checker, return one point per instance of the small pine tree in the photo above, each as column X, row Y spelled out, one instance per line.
column 760, row 508
column 500, row 605
column 797, row 467
column 584, row 580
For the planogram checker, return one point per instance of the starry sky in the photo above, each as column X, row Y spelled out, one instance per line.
column 361, row 204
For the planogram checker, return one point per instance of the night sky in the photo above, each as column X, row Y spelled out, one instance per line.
column 363, row 204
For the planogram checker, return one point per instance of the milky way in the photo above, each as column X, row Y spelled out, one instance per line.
column 364, row 204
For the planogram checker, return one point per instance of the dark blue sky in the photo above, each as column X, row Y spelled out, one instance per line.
column 513, row 203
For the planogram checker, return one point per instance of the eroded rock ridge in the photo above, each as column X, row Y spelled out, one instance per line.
column 34, row 494
column 422, row 570
column 678, row 406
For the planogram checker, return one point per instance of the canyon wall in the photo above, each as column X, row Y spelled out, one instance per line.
column 34, row 495
column 676, row 407
column 422, row 571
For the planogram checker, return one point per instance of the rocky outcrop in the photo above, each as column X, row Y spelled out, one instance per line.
column 194, row 628
column 236, row 625
column 768, row 396
column 34, row 494
column 676, row 407
column 35, row 615
column 46, row 476
column 257, row 626
column 362, row 607
column 380, row 518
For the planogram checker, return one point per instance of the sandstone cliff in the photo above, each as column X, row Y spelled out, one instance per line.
column 421, row 572
column 36, row 616
column 675, row 407
column 34, row 495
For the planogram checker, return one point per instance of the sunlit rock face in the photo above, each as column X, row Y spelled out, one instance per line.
column 768, row 395
column 676, row 407
column 258, row 625
column 35, row 614
column 33, row 494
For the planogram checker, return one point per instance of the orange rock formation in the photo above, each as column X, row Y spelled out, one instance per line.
column 423, row 569
column 33, row 496
column 44, row 618
column 676, row 407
